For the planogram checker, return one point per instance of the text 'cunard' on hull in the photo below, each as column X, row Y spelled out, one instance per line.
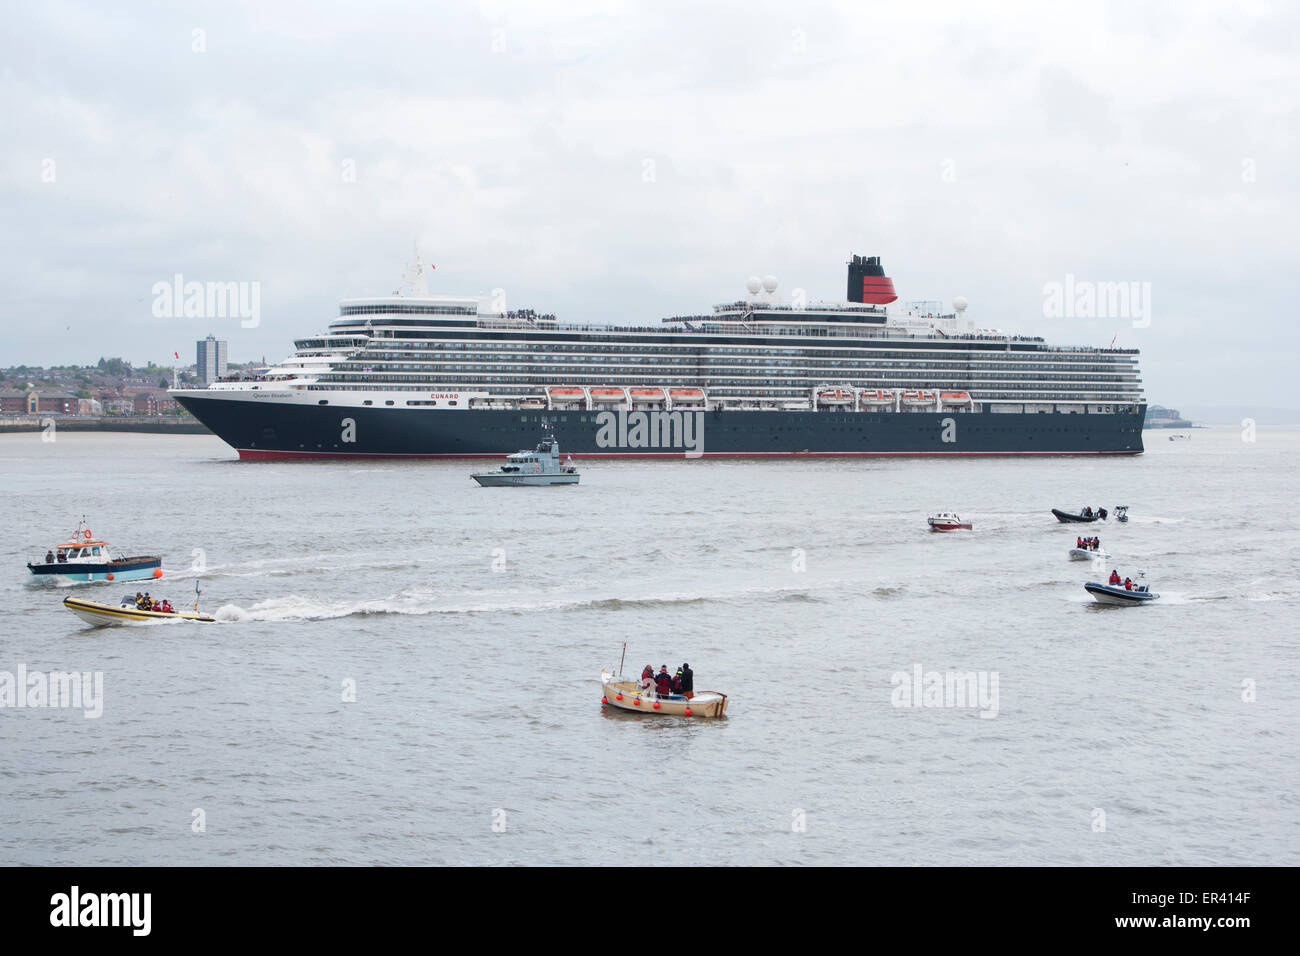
column 430, row 376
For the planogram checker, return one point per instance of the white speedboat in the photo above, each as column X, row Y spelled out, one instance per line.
column 948, row 521
column 541, row 466
column 1087, row 554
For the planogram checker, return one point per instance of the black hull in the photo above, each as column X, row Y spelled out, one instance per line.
column 279, row 430
column 112, row 567
column 1066, row 517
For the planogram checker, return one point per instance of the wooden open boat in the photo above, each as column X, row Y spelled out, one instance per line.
column 625, row 693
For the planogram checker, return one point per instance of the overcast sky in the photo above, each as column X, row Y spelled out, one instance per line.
column 614, row 161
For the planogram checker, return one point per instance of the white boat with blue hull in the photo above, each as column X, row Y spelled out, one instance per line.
column 1117, row 594
column 541, row 466
column 86, row 558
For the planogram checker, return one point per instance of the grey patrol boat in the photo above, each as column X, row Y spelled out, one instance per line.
column 540, row 466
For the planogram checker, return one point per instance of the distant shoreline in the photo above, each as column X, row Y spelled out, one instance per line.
column 153, row 424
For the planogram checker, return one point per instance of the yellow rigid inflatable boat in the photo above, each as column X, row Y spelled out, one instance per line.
column 102, row 615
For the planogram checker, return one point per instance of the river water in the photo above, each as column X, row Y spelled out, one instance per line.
column 405, row 668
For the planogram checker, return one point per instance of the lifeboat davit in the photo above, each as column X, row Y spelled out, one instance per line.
column 565, row 394
column 835, row 396
column 876, row 396
column 687, row 396
column 918, row 398
column 607, row 395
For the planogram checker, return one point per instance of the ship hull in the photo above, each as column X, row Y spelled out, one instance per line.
column 269, row 430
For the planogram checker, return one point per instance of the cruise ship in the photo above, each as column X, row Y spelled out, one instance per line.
column 417, row 375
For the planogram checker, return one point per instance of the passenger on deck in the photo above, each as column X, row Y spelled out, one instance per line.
column 677, row 682
column 1078, row 543
column 647, row 679
column 49, row 557
column 139, row 601
column 1128, row 584
column 148, row 602
column 664, row 681
column 63, row 556
column 688, row 681
column 166, row 607
column 1114, row 577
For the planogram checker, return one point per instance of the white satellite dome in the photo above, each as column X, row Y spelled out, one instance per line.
column 754, row 284
column 769, row 284
column 960, row 303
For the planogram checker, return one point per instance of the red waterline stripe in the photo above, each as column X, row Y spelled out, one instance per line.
column 253, row 454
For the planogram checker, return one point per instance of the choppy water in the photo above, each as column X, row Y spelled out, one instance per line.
column 477, row 702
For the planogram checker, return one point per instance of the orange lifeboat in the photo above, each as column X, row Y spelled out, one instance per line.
column 565, row 394
column 955, row 398
column 876, row 396
column 532, row 403
column 685, row 396
column 607, row 395
column 835, row 396
column 646, row 394
column 918, row 398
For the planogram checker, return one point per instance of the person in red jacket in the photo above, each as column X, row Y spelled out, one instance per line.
column 664, row 682
column 1114, row 577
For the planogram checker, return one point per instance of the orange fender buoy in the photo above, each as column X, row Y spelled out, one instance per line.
column 110, row 575
column 604, row 700
column 688, row 712
column 618, row 696
column 157, row 572
column 637, row 701
column 656, row 705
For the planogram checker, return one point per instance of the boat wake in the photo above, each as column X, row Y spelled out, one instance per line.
column 414, row 602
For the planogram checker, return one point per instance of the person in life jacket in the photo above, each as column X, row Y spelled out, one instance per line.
column 677, row 682
column 1128, row 584
column 663, row 681
column 1114, row 577
column 688, row 681
column 1078, row 542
